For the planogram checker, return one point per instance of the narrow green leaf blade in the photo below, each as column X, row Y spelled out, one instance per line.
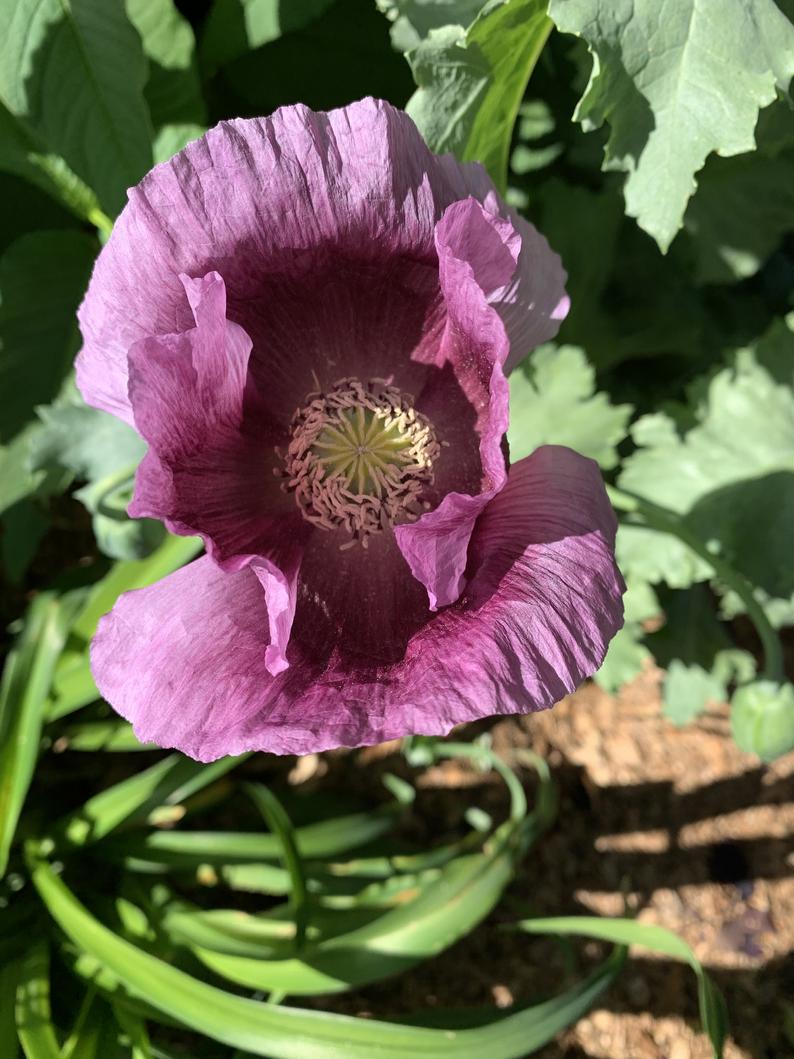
column 23, row 693
column 471, row 81
column 280, row 824
column 292, row 1033
column 34, row 1022
column 713, row 1013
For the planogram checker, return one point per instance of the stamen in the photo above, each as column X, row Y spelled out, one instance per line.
column 360, row 458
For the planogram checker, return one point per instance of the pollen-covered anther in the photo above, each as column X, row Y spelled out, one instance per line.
column 360, row 458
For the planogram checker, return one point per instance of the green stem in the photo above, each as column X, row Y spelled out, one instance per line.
column 100, row 221
column 659, row 518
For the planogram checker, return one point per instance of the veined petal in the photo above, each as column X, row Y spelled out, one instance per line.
column 476, row 254
column 210, row 466
column 248, row 198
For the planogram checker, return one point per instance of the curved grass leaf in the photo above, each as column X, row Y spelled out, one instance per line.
column 444, row 910
column 23, row 693
column 32, row 1010
column 280, row 824
column 435, row 910
column 292, row 1033
column 626, row 932
column 72, row 71
column 167, row 782
column 470, row 82
column 111, row 735
column 188, row 850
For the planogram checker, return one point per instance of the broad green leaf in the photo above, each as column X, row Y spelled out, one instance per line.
column 172, row 90
column 553, row 401
column 762, row 719
column 742, row 210
column 103, row 451
column 173, row 138
column 729, row 474
column 713, row 1013
column 414, row 19
column 17, row 480
column 33, row 1018
column 42, row 278
column 23, row 693
column 72, row 72
column 694, row 647
column 342, row 54
column 92, row 444
column 688, row 690
column 26, row 208
column 292, row 1033
column 612, row 317
column 470, row 82
column 676, row 88
column 234, row 27
column 24, row 155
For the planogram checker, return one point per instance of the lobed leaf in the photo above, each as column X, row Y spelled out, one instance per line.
column 676, row 88
column 553, row 401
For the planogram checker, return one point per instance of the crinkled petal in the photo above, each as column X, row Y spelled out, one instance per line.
column 542, row 603
column 248, row 199
column 477, row 254
column 532, row 303
column 184, row 660
column 280, row 583
column 210, row 466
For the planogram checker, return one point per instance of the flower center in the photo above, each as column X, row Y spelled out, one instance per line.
column 359, row 458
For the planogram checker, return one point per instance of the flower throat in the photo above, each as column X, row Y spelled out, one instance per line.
column 360, row 458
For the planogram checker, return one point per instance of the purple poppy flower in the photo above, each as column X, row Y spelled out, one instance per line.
column 310, row 318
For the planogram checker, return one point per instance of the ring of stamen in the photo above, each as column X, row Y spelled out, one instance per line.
column 360, row 458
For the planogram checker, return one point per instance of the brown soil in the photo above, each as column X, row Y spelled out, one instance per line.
column 677, row 825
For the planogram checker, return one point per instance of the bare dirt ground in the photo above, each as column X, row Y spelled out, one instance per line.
column 678, row 826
